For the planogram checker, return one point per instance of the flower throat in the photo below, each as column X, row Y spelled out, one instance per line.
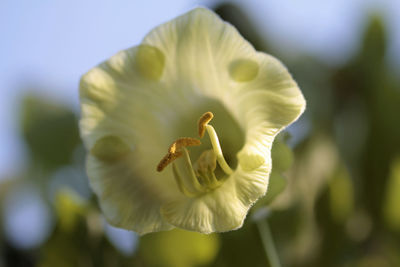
column 201, row 175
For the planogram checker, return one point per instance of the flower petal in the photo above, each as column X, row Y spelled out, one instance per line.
column 118, row 96
column 202, row 51
column 122, row 128
column 126, row 200
column 221, row 210
column 266, row 105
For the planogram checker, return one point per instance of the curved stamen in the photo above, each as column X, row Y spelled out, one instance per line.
column 214, row 181
column 194, row 181
column 181, row 186
column 217, row 150
column 183, row 142
column 167, row 159
column 202, row 126
column 174, row 151
column 203, row 121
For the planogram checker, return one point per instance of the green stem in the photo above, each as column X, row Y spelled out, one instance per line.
column 268, row 242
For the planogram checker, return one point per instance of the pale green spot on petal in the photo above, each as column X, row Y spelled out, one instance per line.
column 250, row 162
column 110, row 148
column 243, row 70
column 96, row 87
column 150, row 62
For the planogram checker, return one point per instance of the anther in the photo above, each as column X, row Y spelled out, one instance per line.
column 167, row 159
column 203, row 121
column 174, row 151
column 183, row 142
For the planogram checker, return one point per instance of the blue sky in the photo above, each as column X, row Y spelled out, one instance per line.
column 52, row 43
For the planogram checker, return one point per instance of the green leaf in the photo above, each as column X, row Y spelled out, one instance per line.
column 282, row 156
column 277, row 183
column 50, row 131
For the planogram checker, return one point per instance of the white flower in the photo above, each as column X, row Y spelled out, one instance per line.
column 143, row 99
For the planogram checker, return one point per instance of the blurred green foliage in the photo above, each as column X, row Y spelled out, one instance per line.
column 50, row 131
column 333, row 198
column 179, row 248
column 391, row 209
column 78, row 240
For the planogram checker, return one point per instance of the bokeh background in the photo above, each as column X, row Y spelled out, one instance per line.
column 340, row 161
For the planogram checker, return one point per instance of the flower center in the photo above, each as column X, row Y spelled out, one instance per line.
column 199, row 178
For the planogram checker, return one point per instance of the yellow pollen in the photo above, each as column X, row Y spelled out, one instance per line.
column 167, row 159
column 174, row 151
column 203, row 121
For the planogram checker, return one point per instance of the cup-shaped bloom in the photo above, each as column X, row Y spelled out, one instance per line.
column 140, row 123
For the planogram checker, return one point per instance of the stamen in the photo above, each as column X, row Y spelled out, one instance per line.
column 203, row 125
column 214, row 181
column 178, row 180
column 189, row 166
column 183, row 142
column 217, row 150
column 205, row 167
column 174, row 151
column 167, row 159
column 200, row 179
column 203, row 121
